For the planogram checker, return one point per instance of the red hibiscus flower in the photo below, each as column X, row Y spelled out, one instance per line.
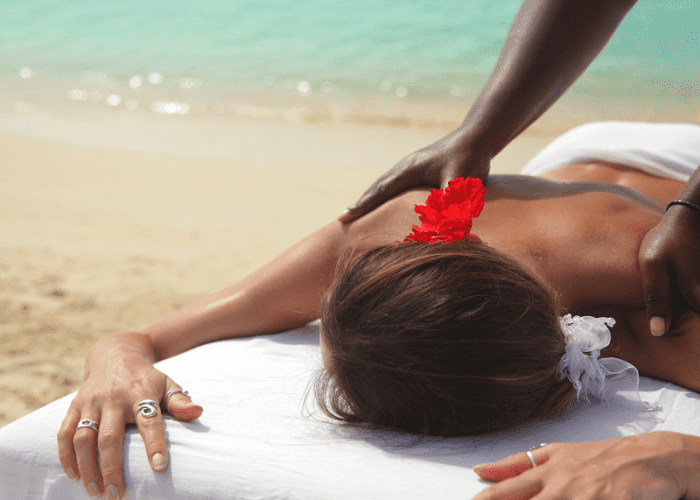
column 447, row 214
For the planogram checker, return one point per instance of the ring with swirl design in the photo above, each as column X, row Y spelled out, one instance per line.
column 148, row 408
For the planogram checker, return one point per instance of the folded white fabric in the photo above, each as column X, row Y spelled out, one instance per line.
column 669, row 150
column 256, row 440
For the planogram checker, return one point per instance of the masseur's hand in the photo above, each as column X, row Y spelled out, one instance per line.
column 434, row 166
column 654, row 466
column 669, row 260
column 119, row 376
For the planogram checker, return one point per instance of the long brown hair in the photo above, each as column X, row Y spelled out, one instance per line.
column 440, row 339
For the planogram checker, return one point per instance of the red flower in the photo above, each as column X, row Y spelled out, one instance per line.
column 447, row 214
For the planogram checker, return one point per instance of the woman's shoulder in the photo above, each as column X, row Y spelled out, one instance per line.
column 390, row 222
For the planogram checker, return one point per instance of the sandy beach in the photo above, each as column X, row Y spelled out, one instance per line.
column 111, row 221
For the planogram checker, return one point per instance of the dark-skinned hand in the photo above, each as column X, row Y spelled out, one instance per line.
column 434, row 166
column 669, row 261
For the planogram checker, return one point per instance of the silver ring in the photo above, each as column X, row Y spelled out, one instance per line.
column 148, row 408
column 88, row 424
column 175, row 391
column 529, row 453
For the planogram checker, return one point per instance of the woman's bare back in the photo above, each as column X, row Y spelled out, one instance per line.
column 672, row 358
column 580, row 231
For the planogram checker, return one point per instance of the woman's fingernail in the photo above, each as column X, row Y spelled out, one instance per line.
column 113, row 491
column 70, row 471
column 93, row 490
column 657, row 326
column 194, row 411
column 159, row 462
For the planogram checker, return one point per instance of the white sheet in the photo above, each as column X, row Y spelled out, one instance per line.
column 253, row 443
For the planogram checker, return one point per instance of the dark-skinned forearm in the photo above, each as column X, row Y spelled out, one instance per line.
column 549, row 45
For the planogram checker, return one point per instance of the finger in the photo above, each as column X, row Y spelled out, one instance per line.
column 511, row 466
column 181, row 406
column 378, row 193
column 66, row 451
column 656, row 285
column 85, row 444
column 153, row 433
column 110, row 444
column 520, row 488
column 408, row 173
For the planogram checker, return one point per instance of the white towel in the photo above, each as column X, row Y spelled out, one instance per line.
column 669, row 150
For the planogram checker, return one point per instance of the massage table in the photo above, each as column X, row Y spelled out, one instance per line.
column 260, row 438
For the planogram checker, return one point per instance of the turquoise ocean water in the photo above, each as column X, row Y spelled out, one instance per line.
column 367, row 60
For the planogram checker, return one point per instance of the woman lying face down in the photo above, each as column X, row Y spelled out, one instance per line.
column 460, row 338
column 445, row 339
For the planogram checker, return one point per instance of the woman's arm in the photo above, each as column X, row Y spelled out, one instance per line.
column 283, row 294
column 287, row 292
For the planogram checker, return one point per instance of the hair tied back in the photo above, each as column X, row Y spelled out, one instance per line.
column 585, row 337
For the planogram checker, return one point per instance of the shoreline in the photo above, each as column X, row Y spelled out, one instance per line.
column 34, row 97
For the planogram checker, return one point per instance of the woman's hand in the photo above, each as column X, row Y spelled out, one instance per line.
column 654, row 466
column 119, row 376
column 669, row 259
column 435, row 165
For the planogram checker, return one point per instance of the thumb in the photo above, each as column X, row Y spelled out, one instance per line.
column 656, row 285
column 180, row 405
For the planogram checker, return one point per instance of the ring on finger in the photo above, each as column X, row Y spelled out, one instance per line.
column 88, row 424
column 531, row 457
column 175, row 391
column 147, row 408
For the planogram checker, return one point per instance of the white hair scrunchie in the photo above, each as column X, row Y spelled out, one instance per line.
column 585, row 337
